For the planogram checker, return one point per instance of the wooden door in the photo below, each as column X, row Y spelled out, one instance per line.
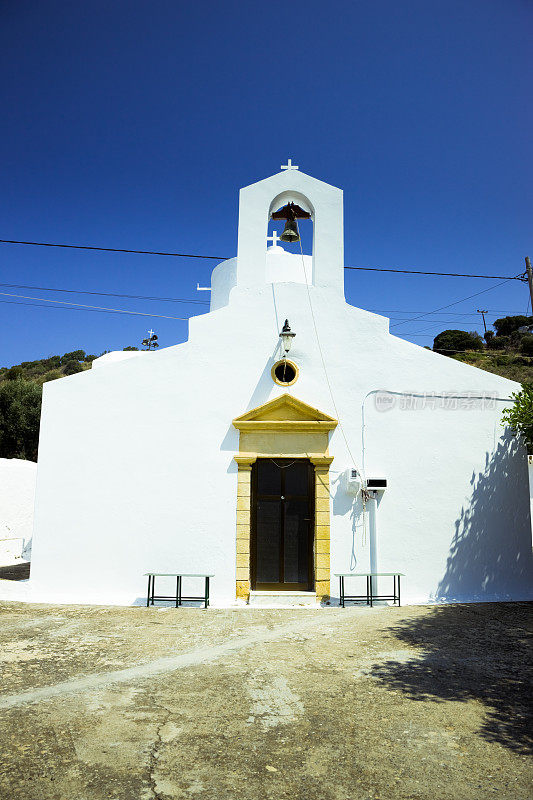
column 282, row 524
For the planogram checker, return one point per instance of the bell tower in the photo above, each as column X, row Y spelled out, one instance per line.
column 323, row 202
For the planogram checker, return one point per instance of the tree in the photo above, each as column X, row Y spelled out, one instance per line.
column 520, row 416
column 76, row 355
column 498, row 342
column 457, row 340
column 526, row 344
column 130, row 348
column 14, row 373
column 20, row 411
column 508, row 325
column 71, row 367
column 51, row 363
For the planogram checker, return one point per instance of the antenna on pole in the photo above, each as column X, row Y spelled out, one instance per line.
column 151, row 340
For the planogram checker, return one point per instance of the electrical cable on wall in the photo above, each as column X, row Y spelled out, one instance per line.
column 423, row 396
column 364, row 493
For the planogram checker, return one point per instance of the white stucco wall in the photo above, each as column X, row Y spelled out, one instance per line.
column 530, row 474
column 17, row 497
column 136, row 468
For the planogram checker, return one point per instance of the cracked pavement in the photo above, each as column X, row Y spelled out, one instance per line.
column 330, row 704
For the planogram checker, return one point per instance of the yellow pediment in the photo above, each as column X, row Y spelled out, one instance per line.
column 285, row 413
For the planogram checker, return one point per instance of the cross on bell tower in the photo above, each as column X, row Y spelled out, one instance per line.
column 289, row 165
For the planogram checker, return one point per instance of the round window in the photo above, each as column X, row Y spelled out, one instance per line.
column 284, row 372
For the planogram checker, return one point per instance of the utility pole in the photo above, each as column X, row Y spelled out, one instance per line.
column 530, row 279
column 483, row 312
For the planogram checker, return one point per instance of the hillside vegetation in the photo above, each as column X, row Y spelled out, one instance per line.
column 506, row 351
column 508, row 365
column 51, row 368
column 21, row 389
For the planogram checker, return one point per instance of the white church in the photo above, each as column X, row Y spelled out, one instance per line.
column 290, row 439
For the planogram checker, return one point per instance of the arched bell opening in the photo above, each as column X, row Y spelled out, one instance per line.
column 300, row 231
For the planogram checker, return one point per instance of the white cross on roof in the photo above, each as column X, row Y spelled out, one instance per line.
column 289, row 165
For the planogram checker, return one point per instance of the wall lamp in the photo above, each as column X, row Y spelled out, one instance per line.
column 286, row 337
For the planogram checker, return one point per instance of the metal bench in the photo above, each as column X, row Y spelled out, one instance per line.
column 370, row 596
column 179, row 598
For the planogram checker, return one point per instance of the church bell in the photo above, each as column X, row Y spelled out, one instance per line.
column 290, row 234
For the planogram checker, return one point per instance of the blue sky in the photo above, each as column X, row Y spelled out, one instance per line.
column 134, row 124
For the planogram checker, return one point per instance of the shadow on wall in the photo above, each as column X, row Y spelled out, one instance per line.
column 490, row 555
column 478, row 653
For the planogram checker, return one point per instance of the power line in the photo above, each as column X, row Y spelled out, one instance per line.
column 456, row 302
column 96, row 308
column 470, row 319
column 420, row 331
column 112, row 249
column 448, row 314
column 206, row 303
column 144, row 297
column 81, row 307
column 418, row 311
column 106, row 294
column 397, row 320
column 225, row 258
column 425, row 272
column 69, row 308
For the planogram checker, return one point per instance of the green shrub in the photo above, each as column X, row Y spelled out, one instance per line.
column 76, row 355
column 51, row 363
column 20, row 411
column 14, row 373
column 503, row 360
column 71, row 367
column 520, row 415
column 526, row 344
column 457, row 340
column 499, row 342
column 53, row 375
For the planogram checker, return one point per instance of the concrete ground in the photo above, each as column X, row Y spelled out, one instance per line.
column 330, row 704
